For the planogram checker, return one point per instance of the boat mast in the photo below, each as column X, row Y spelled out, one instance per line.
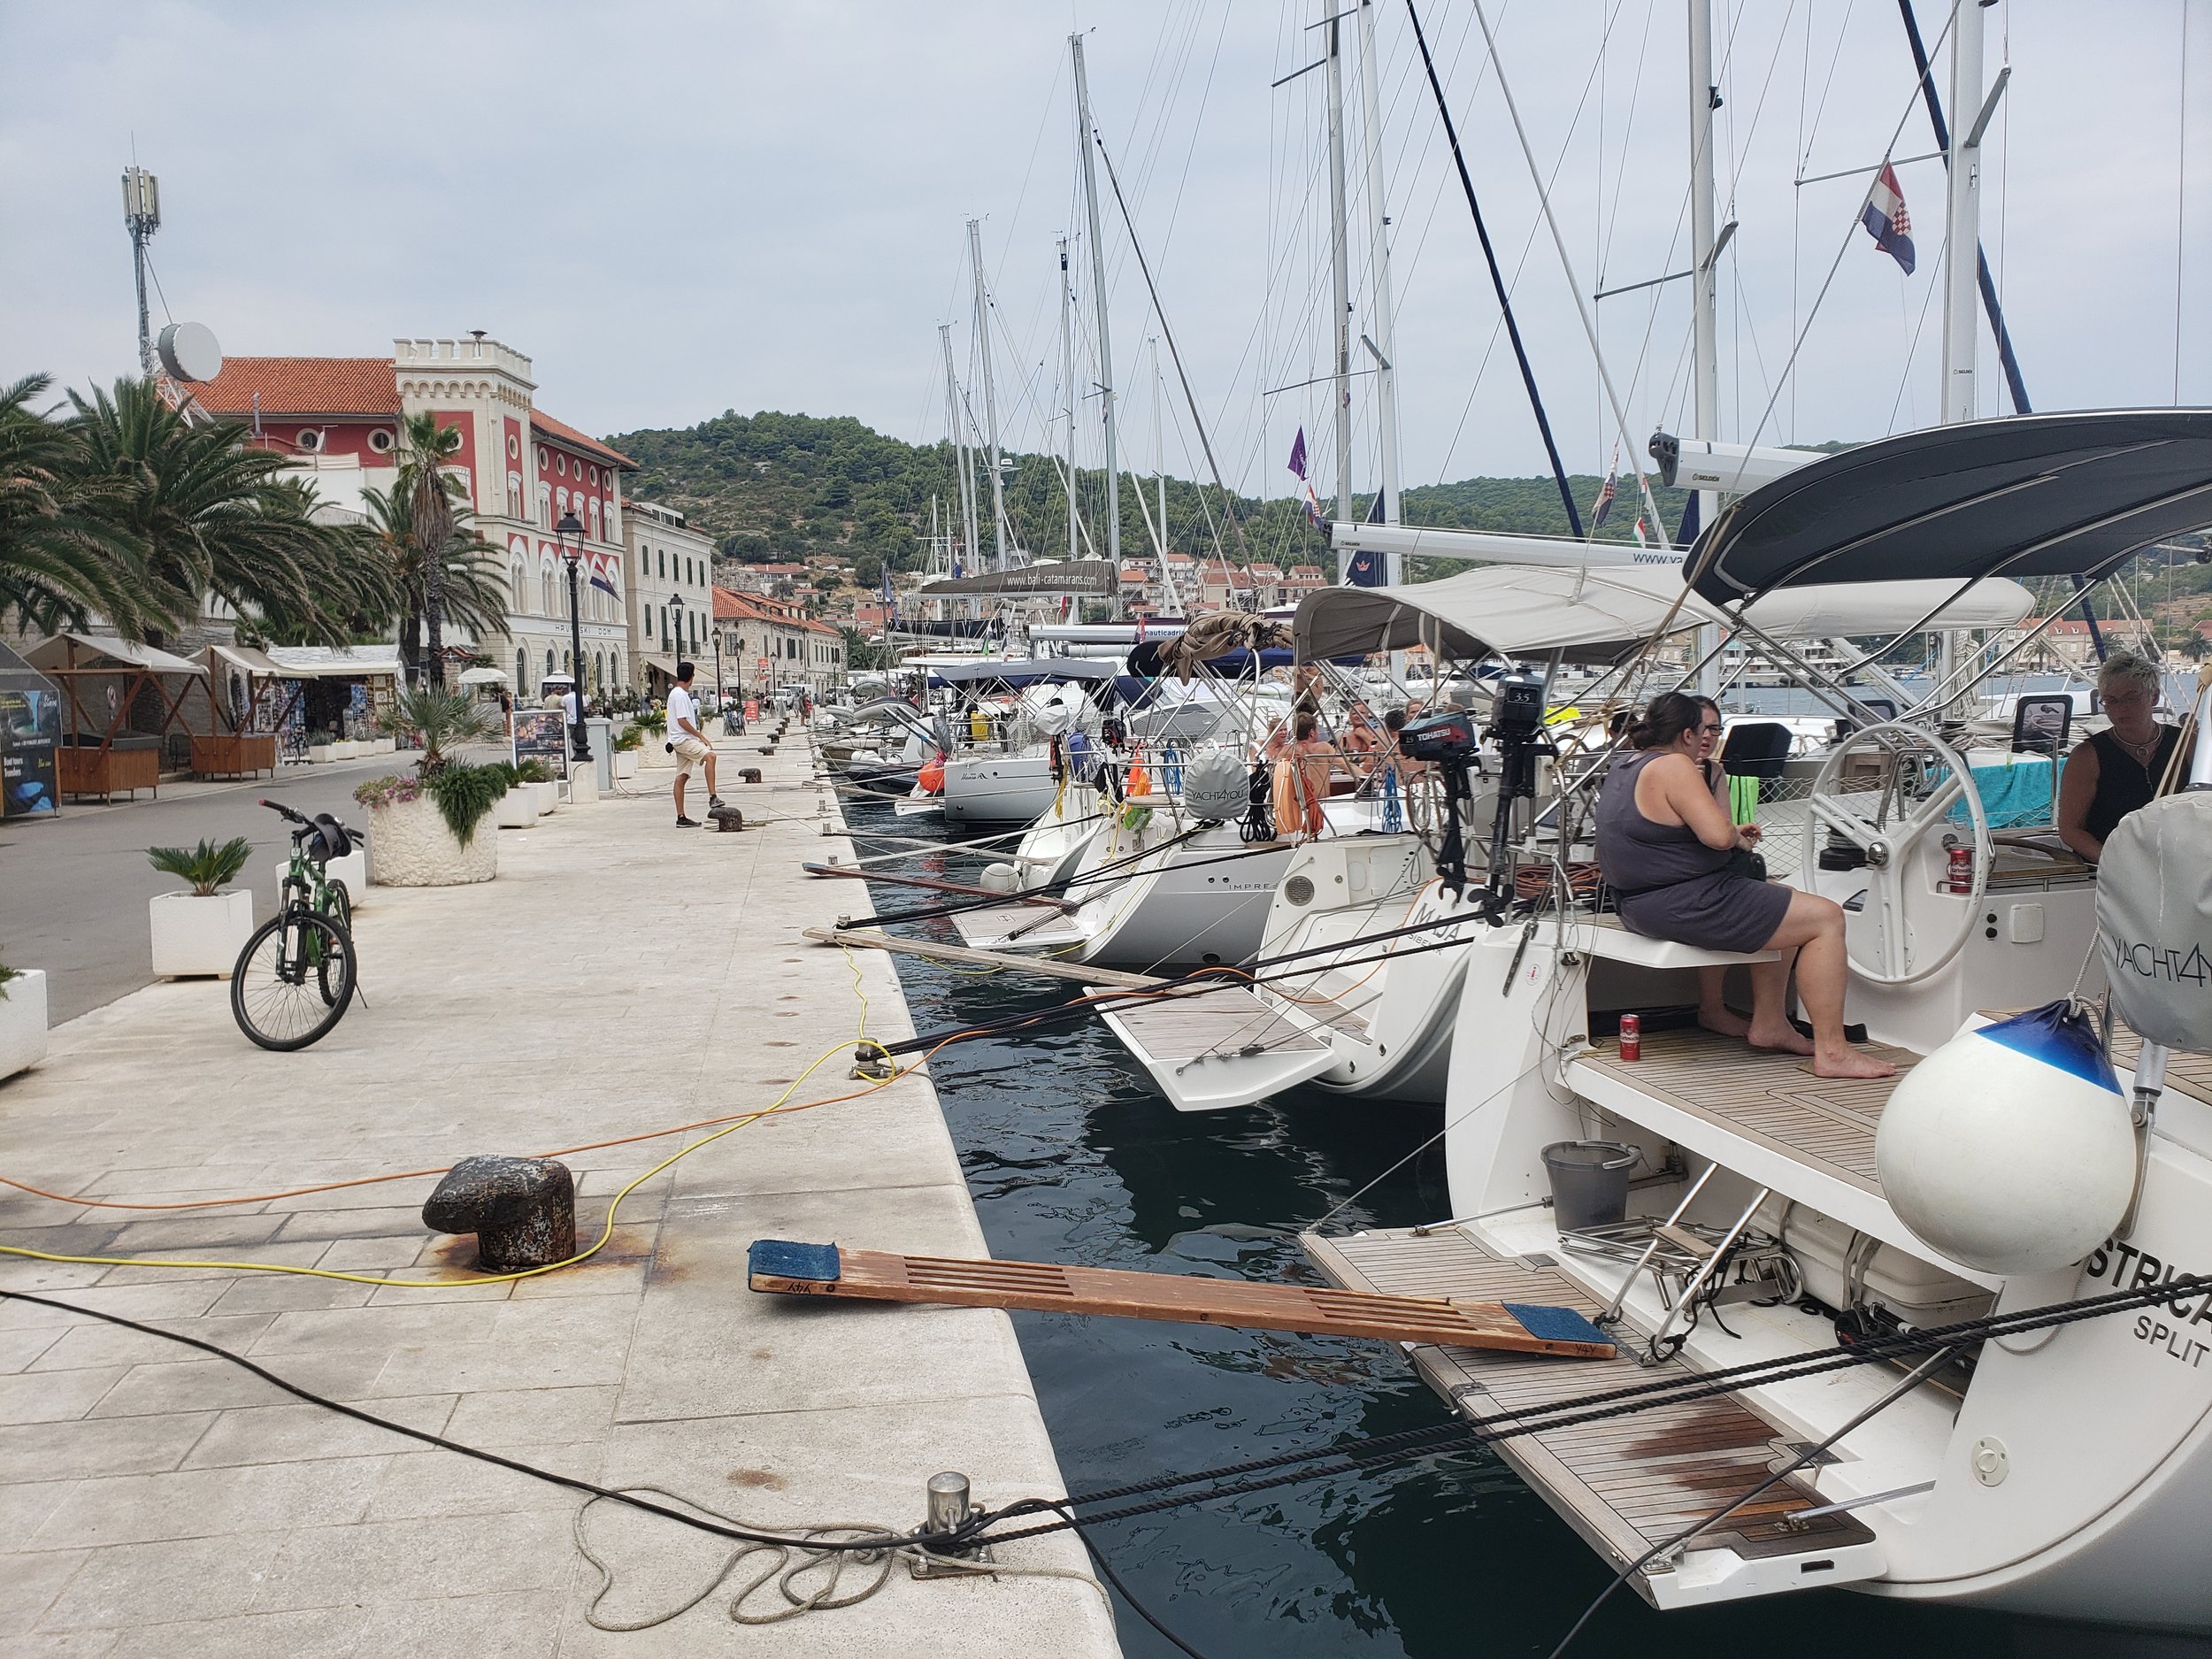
column 1086, row 139
column 1705, row 350
column 1159, row 452
column 1382, row 344
column 960, row 444
column 1340, row 261
column 1067, row 382
column 1963, row 199
column 990, row 395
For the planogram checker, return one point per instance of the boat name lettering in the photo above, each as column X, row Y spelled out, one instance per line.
column 2125, row 1267
column 2177, row 1343
column 2149, row 960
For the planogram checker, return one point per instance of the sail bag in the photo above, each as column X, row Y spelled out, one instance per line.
column 2155, row 920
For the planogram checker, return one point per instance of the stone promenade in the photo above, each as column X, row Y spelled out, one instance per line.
column 620, row 976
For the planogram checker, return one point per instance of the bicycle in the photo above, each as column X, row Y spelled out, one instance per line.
column 296, row 977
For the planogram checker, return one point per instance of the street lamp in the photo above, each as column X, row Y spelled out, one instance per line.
column 571, row 532
column 676, row 609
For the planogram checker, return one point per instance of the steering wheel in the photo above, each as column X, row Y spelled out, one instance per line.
column 1891, row 837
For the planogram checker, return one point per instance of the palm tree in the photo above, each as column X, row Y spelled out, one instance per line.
column 473, row 593
column 424, row 450
column 214, row 515
column 61, row 564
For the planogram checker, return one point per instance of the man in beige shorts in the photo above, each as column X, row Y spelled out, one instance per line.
column 688, row 741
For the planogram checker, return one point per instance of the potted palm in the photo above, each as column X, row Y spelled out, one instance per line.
column 200, row 931
column 545, row 788
column 654, row 749
column 423, row 825
column 22, row 1018
column 627, row 741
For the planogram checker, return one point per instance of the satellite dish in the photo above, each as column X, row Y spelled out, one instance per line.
column 188, row 353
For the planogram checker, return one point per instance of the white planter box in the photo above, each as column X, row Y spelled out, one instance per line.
column 23, row 1021
column 583, row 784
column 353, row 870
column 518, row 808
column 322, row 754
column 626, row 762
column 193, row 935
column 380, row 745
column 350, row 749
column 652, row 754
column 414, row 848
column 548, row 795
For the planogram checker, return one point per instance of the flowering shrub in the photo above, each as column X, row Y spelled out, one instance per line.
column 392, row 791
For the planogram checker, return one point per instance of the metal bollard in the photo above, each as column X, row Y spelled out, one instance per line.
column 949, row 1504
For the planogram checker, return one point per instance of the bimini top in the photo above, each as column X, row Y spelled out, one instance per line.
column 2070, row 494
column 1599, row 615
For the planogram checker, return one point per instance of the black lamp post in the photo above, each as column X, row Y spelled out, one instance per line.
column 571, row 538
column 676, row 610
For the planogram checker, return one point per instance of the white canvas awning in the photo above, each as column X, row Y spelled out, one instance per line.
column 1599, row 614
column 103, row 653
column 350, row 662
column 252, row 662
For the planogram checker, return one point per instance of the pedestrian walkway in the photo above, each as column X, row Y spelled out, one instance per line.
column 621, row 975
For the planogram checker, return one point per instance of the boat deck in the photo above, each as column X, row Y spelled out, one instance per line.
column 1771, row 1099
column 1627, row 1482
column 1229, row 1020
column 1024, row 927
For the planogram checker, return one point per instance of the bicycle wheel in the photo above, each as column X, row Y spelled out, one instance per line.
column 293, row 981
column 338, row 910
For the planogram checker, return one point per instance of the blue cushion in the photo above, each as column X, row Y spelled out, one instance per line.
column 780, row 1258
column 1555, row 1325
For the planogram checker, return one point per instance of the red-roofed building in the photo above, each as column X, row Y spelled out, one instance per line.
column 767, row 643
column 340, row 417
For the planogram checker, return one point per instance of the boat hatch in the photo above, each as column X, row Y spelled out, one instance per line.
column 1219, row 1047
column 1627, row 1482
column 1019, row 927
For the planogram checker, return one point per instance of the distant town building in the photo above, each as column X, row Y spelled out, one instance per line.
column 763, row 578
column 671, row 600
column 339, row 419
column 767, row 643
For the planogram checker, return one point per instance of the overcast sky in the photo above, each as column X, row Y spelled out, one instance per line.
column 676, row 209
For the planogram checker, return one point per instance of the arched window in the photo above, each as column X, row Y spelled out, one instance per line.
column 522, row 589
column 568, row 663
column 549, row 659
column 522, row 669
column 598, row 671
column 551, row 604
column 614, row 668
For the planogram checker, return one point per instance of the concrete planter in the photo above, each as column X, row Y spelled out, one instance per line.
column 348, row 748
column 380, row 745
column 414, row 848
column 518, row 808
column 548, row 795
column 23, row 1021
column 652, row 754
column 194, row 935
column 322, row 754
column 353, row 870
column 583, row 784
column 626, row 762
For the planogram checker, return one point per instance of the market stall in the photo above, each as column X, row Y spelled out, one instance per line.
column 250, row 697
column 120, row 700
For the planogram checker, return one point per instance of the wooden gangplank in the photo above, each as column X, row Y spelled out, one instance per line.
column 782, row 1267
column 1081, row 972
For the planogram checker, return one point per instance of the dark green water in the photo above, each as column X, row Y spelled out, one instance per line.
column 1071, row 1158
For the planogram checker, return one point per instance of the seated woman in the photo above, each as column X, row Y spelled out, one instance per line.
column 2115, row 772
column 1664, row 843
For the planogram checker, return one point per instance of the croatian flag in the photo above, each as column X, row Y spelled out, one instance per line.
column 1887, row 221
column 1603, row 509
column 1298, row 466
column 599, row 578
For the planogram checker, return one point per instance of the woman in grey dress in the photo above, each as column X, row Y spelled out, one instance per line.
column 1666, row 843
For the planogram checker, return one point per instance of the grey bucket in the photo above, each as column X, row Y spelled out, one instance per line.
column 1589, row 1182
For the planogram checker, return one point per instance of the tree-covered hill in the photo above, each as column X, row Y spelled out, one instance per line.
column 775, row 486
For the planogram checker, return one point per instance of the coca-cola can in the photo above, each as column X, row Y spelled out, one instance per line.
column 1961, row 870
column 1631, row 1037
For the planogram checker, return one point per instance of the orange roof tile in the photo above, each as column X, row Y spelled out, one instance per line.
column 301, row 385
column 562, row 432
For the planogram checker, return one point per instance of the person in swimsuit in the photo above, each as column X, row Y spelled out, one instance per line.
column 1664, row 842
column 2117, row 771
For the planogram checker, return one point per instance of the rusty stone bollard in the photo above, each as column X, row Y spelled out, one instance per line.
column 522, row 1210
column 749, row 774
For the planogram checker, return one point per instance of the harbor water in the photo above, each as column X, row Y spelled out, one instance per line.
column 1070, row 1157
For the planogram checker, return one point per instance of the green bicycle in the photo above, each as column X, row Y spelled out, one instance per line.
column 294, row 979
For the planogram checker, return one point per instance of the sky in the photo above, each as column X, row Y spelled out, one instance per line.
column 676, row 209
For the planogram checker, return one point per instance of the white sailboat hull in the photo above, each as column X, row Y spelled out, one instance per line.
column 998, row 788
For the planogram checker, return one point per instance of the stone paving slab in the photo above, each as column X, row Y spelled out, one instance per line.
column 620, row 976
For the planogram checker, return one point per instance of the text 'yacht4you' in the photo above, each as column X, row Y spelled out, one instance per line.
column 1939, row 1332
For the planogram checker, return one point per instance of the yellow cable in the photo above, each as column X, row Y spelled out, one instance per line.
column 606, row 1231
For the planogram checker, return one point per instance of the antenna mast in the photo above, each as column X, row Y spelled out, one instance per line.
column 1084, row 138
column 141, row 217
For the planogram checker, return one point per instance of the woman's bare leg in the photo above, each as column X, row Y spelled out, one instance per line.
column 1771, row 1026
column 1713, row 1012
column 1814, row 927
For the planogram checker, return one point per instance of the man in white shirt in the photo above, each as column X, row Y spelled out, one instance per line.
column 572, row 717
column 688, row 740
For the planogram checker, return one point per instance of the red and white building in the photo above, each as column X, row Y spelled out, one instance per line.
column 522, row 470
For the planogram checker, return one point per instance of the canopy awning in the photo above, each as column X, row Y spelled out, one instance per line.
column 103, row 653
column 248, row 659
column 319, row 662
column 1071, row 576
column 1598, row 616
column 1016, row 671
column 18, row 675
column 665, row 666
column 2070, row 494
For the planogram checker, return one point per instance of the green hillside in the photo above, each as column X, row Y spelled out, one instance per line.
column 775, row 487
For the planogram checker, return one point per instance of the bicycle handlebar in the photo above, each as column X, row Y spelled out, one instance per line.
column 306, row 825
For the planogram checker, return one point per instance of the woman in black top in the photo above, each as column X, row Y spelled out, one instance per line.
column 2117, row 771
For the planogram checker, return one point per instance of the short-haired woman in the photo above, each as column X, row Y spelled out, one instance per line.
column 1665, row 844
column 2109, row 775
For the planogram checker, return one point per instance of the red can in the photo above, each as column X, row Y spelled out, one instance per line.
column 1631, row 1037
column 1960, row 874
